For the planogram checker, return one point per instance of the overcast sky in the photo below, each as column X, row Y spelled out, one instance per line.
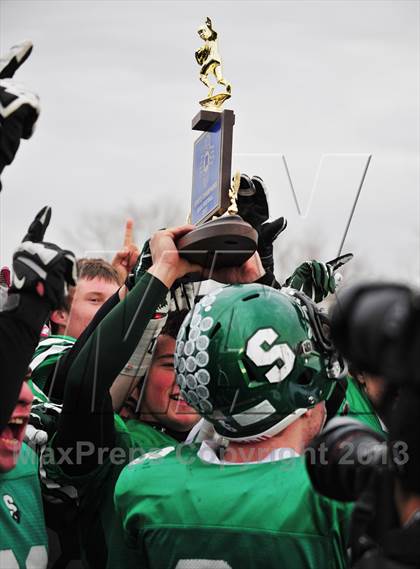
column 324, row 84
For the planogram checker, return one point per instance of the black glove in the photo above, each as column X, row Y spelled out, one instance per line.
column 36, row 231
column 19, row 107
column 253, row 208
column 37, row 262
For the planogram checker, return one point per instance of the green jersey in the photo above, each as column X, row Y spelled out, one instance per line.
column 39, row 395
column 23, row 537
column 179, row 511
column 357, row 406
column 92, row 371
column 46, row 355
column 147, row 438
column 97, row 525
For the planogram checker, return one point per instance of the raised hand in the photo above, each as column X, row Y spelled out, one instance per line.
column 19, row 107
column 253, row 208
column 38, row 227
column 10, row 62
column 43, row 268
column 168, row 265
column 316, row 279
column 125, row 259
column 161, row 258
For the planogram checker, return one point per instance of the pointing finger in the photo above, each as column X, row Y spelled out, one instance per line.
column 128, row 234
column 10, row 62
column 39, row 225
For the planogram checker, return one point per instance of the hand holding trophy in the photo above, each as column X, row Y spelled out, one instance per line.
column 222, row 238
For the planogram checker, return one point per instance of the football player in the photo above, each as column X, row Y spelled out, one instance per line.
column 83, row 308
column 23, row 537
column 41, row 274
column 88, row 419
column 97, row 282
column 258, row 365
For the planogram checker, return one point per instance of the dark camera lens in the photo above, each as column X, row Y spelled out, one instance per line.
column 375, row 327
column 342, row 458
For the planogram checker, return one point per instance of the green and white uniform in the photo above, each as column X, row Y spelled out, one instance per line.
column 23, row 538
column 180, row 511
column 114, row 444
column 46, row 355
column 357, row 406
column 146, row 438
column 97, row 517
column 39, row 395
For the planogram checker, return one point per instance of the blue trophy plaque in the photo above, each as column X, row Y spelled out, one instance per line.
column 205, row 197
column 211, row 164
column 224, row 241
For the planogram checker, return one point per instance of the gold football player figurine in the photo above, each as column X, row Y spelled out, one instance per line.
column 208, row 57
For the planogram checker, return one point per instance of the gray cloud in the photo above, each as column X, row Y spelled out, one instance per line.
column 119, row 86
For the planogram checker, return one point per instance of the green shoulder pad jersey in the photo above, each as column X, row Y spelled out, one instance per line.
column 179, row 512
column 23, row 537
column 357, row 406
column 98, row 530
column 46, row 356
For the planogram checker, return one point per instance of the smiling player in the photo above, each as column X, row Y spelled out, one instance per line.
column 23, row 538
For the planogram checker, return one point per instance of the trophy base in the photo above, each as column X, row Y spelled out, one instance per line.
column 215, row 102
column 224, row 242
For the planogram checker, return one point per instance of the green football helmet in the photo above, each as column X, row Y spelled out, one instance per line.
column 252, row 359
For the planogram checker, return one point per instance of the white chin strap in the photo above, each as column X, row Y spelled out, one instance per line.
column 274, row 430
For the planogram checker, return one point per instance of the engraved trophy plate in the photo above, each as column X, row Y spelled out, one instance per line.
column 212, row 161
column 205, row 196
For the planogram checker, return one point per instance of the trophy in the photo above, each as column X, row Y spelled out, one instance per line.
column 222, row 238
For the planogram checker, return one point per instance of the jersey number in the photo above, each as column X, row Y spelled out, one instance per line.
column 37, row 558
column 262, row 351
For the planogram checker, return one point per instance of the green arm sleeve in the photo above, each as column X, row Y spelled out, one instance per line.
column 87, row 409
